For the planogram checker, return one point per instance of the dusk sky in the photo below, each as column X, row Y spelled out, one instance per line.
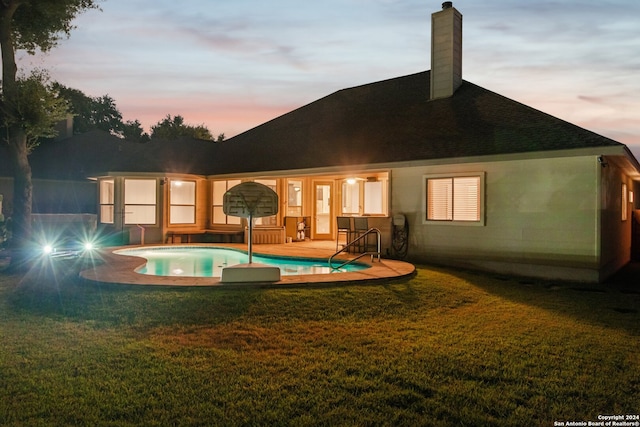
column 232, row 65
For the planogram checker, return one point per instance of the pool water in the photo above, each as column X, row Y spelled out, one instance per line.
column 194, row 261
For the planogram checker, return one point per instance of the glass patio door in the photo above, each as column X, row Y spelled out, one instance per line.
column 322, row 210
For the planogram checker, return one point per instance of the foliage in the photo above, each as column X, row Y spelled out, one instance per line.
column 100, row 113
column 41, row 24
column 445, row 348
column 39, row 108
column 133, row 131
column 79, row 106
column 92, row 112
column 106, row 115
column 5, row 230
column 175, row 127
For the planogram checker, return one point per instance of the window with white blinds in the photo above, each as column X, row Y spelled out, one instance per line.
column 440, row 199
column 182, row 202
column 140, row 201
column 453, row 198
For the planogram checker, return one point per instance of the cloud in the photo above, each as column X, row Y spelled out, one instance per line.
column 230, row 118
column 232, row 65
column 594, row 99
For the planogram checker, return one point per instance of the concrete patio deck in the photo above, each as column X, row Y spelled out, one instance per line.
column 119, row 269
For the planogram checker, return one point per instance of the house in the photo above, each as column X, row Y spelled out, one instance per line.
column 482, row 181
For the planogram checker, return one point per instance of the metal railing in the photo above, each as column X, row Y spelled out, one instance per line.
column 357, row 242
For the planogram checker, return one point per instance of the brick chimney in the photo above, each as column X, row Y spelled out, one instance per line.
column 446, row 51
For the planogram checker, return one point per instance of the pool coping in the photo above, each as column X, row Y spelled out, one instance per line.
column 119, row 269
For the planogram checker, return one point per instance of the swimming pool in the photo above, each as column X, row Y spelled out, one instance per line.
column 197, row 261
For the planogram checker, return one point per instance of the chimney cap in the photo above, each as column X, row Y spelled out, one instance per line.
column 447, row 5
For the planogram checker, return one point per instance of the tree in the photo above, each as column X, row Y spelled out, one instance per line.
column 132, row 130
column 39, row 108
column 30, row 25
column 101, row 113
column 173, row 128
column 106, row 115
column 80, row 106
column 91, row 113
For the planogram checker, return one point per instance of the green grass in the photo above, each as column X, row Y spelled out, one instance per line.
column 443, row 348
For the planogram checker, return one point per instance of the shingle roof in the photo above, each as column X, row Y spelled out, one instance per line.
column 387, row 121
column 393, row 120
column 98, row 152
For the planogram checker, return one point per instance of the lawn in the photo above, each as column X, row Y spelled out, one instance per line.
column 442, row 348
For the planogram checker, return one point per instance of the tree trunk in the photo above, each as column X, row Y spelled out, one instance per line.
column 16, row 138
column 22, row 198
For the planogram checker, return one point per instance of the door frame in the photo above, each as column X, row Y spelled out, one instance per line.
column 314, row 219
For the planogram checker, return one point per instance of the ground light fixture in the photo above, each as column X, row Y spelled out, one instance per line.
column 65, row 249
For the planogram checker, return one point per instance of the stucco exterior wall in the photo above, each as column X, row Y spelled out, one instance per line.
column 616, row 231
column 541, row 218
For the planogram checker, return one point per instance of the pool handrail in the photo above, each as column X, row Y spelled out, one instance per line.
column 355, row 241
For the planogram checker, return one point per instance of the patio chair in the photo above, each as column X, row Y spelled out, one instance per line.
column 344, row 227
column 361, row 226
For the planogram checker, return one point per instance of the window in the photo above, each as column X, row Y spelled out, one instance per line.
column 267, row 220
column 294, row 198
column 139, row 201
column 107, row 199
column 182, row 201
column 218, row 215
column 375, row 196
column 364, row 196
column 455, row 198
column 624, row 202
column 351, row 196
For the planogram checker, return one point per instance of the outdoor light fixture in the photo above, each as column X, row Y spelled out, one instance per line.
column 68, row 248
column 351, row 181
column 602, row 161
